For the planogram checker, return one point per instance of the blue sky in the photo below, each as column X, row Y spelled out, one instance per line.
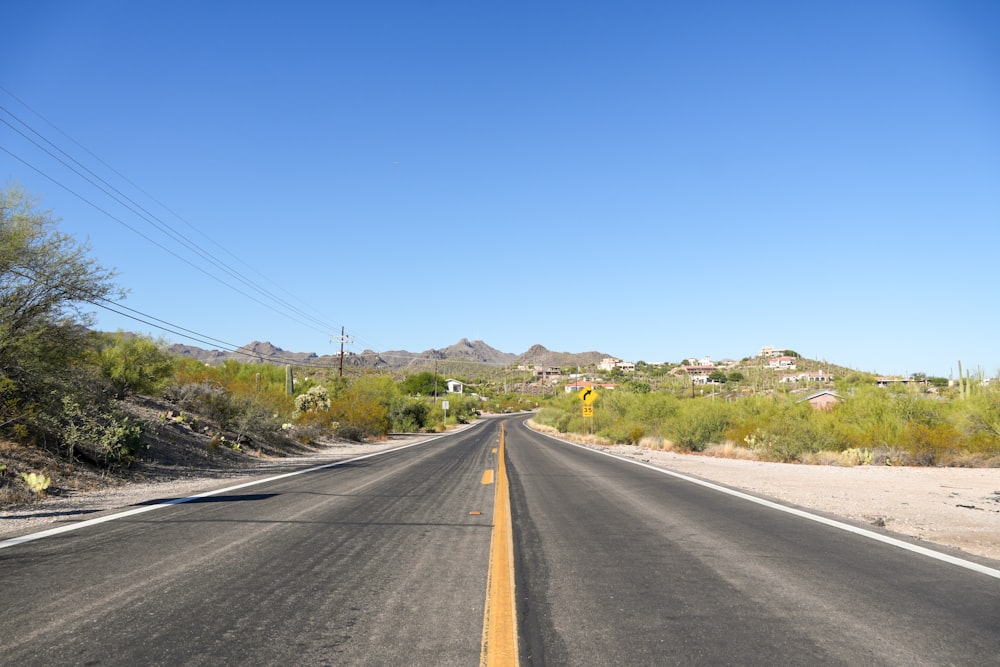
column 651, row 180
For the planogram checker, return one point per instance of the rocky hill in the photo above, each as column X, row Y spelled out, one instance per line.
column 540, row 357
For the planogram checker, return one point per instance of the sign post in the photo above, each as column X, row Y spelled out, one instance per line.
column 588, row 396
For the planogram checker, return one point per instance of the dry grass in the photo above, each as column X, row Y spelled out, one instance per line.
column 582, row 439
column 731, row 450
column 828, row 459
column 656, row 442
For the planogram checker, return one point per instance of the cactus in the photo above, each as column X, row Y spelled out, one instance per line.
column 289, row 381
column 37, row 482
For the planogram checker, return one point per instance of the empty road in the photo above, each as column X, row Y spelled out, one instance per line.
column 385, row 560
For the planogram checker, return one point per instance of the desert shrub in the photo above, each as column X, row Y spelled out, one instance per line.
column 352, row 432
column 107, row 437
column 753, row 414
column 408, row 415
column 313, row 426
column 567, row 423
column 699, row 422
column 359, row 415
column 315, row 399
column 980, row 420
column 798, row 433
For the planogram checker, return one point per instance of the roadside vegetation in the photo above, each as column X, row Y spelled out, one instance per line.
column 911, row 425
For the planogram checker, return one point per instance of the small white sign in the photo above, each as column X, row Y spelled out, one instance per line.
column 444, row 405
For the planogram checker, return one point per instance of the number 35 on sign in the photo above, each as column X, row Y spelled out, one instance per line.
column 588, row 410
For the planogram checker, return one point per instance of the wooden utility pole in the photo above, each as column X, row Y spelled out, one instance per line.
column 343, row 339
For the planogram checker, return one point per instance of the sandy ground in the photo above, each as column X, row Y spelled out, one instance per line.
column 955, row 507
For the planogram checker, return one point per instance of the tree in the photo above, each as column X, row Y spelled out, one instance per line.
column 46, row 280
column 717, row 376
column 134, row 364
column 424, row 383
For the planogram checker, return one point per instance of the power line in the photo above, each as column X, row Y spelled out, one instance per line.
column 150, row 218
column 158, row 224
column 327, row 326
column 154, row 242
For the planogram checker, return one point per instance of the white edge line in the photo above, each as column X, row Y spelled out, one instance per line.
column 178, row 501
column 878, row 537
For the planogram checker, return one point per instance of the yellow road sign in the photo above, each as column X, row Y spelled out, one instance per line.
column 587, row 395
column 588, row 410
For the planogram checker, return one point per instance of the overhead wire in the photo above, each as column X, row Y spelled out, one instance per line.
column 147, row 194
column 171, row 233
column 144, row 214
column 154, row 242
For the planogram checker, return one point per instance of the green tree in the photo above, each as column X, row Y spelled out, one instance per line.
column 134, row 364
column 46, row 280
column 718, row 376
column 424, row 383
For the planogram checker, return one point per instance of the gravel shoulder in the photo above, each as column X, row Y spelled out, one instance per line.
column 954, row 507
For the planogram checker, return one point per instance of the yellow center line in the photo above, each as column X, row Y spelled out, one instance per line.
column 499, row 645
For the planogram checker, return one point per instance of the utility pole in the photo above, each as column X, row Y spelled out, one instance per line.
column 343, row 339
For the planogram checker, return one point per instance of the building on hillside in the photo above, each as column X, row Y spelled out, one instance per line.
column 812, row 378
column 822, row 400
column 782, row 362
column 769, row 351
column 547, row 372
column 607, row 363
column 886, row 381
column 611, row 363
column 455, row 387
column 694, row 370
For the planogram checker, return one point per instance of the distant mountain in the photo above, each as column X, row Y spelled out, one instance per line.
column 539, row 357
column 462, row 358
column 253, row 352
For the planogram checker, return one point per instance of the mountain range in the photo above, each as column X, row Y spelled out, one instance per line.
column 449, row 359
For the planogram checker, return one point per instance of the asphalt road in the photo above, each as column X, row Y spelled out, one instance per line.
column 619, row 564
column 379, row 562
column 384, row 561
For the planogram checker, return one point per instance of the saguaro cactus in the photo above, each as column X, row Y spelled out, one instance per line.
column 289, row 380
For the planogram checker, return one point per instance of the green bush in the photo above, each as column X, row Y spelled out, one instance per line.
column 699, row 423
column 133, row 364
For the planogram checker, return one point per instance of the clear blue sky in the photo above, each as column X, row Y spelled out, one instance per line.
column 651, row 180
